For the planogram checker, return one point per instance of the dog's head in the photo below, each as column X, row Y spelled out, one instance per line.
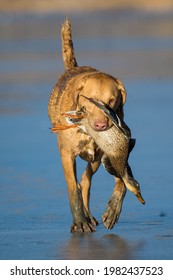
column 105, row 88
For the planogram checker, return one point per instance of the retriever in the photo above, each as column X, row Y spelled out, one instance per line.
column 67, row 95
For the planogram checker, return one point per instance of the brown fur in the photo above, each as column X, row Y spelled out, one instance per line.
column 66, row 96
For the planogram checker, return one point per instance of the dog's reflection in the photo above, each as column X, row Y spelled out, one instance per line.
column 87, row 246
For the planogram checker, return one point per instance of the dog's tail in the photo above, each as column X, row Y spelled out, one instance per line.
column 67, row 46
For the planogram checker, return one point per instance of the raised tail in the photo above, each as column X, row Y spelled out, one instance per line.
column 67, row 46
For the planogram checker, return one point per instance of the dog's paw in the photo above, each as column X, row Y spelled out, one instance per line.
column 110, row 218
column 112, row 213
column 82, row 227
column 91, row 219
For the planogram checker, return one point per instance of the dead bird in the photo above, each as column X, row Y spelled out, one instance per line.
column 116, row 144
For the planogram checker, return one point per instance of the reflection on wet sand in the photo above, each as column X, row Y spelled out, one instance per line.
column 108, row 247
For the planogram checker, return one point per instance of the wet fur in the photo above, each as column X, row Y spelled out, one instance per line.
column 66, row 96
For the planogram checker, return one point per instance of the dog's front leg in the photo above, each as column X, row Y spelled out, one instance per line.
column 80, row 222
column 85, row 185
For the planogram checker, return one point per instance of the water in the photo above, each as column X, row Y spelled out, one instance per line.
column 34, row 211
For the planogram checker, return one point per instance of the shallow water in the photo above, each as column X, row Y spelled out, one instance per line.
column 34, row 211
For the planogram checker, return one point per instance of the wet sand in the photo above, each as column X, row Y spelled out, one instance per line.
column 34, row 212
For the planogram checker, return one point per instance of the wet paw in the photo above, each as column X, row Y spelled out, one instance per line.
column 110, row 218
column 92, row 220
column 112, row 213
column 82, row 227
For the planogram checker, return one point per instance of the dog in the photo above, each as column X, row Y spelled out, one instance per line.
column 68, row 95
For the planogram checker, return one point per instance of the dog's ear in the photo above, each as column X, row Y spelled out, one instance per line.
column 122, row 90
column 78, row 92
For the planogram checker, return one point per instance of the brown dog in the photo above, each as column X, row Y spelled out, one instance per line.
column 67, row 96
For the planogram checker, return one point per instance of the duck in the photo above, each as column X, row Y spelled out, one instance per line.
column 116, row 143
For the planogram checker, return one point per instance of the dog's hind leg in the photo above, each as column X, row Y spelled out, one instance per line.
column 85, row 185
column 112, row 213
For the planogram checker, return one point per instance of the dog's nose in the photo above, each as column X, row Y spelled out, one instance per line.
column 100, row 125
